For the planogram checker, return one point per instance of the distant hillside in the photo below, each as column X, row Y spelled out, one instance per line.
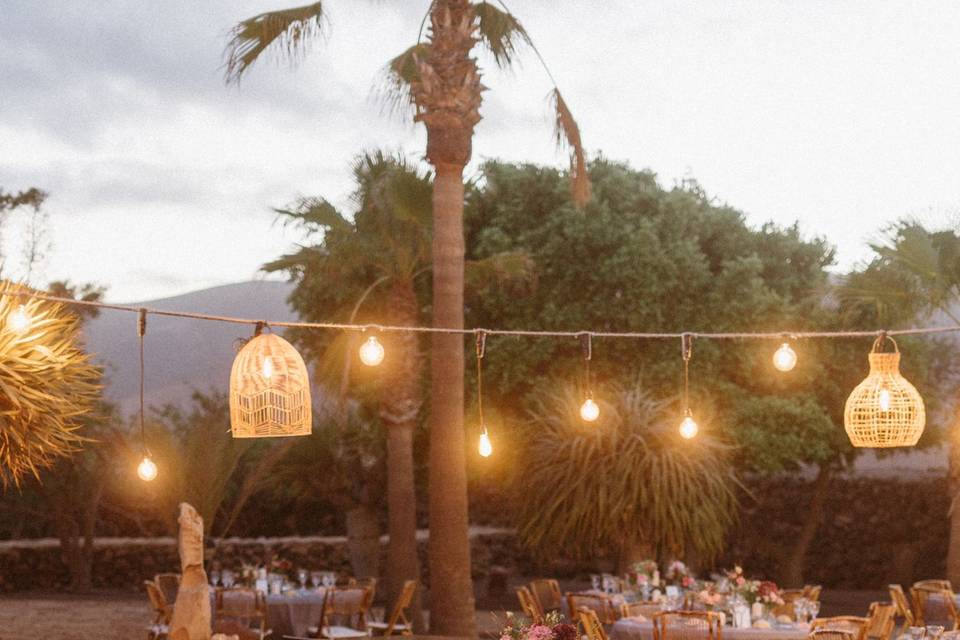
column 181, row 354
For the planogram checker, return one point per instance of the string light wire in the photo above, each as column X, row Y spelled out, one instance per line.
column 643, row 335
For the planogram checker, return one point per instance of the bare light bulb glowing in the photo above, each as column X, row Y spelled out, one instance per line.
column 689, row 427
column 371, row 352
column 785, row 358
column 19, row 320
column 486, row 447
column 147, row 469
column 883, row 399
column 267, row 368
column 589, row 410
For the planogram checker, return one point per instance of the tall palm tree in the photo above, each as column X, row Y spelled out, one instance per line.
column 916, row 273
column 369, row 266
column 441, row 80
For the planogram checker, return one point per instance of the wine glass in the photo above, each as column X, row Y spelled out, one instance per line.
column 813, row 609
column 214, row 578
column 800, row 609
column 302, row 575
column 329, row 579
column 917, row 633
column 227, row 578
column 595, row 583
column 316, row 577
column 934, row 631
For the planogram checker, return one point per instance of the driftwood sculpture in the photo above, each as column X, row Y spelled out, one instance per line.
column 191, row 614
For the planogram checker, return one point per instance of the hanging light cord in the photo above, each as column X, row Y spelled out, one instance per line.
column 772, row 335
column 686, row 346
column 481, row 347
column 141, row 331
column 586, row 342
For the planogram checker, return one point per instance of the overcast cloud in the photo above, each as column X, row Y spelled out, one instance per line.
column 842, row 115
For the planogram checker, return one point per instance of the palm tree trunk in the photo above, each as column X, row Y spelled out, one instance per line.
column 451, row 588
column 399, row 408
column 792, row 573
column 953, row 486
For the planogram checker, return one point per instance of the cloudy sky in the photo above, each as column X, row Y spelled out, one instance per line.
column 842, row 115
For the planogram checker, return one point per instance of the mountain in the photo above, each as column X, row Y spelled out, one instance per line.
column 181, row 354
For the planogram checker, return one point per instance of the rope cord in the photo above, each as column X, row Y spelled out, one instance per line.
column 641, row 335
column 141, row 332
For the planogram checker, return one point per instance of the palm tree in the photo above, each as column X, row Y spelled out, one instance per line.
column 441, row 81
column 916, row 273
column 627, row 484
column 385, row 247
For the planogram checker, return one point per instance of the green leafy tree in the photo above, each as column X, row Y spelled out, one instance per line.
column 440, row 80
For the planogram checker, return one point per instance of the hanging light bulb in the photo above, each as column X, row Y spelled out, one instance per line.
column 785, row 358
column 486, row 447
column 689, row 427
column 371, row 352
column 147, row 469
column 589, row 410
column 267, row 368
column 19, row 320
column 884, row 410
column 883, row 399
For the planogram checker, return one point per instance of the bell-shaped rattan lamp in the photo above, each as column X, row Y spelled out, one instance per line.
column 884, row 410
column 269, row 390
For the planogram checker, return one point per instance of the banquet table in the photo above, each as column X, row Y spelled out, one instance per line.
column 290, row 613
column 637, row 629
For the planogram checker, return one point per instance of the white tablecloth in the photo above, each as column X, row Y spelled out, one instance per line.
column 633, row 629
column 290, row 614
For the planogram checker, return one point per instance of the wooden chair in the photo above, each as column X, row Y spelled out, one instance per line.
column 812, row 592
column 882, row 620
column 240, row 611
column 169, row 584
column 592, row 626
column 398, row 622
column 546, row 592
column 899, row 599
column 529, row 605
column 162, row 612
column 344, row 614
column 933, row 605
column 831, row 634
column 639, row 609
column 687, row 625
column 854, row 624
column 932, row 584
column 599, row 603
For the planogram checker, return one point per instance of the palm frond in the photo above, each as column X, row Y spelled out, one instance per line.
column 290, row 30
column 567, row 133
column 501, row 33
column 314, row 214
column 397, row 76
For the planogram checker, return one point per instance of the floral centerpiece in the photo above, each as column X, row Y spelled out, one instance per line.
column 769, row 594
column 552, row 628
column 679, row 574
column 710, row 597
column 643, row 573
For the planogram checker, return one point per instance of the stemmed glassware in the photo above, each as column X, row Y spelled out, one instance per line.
column 302, row 575
column 227, row 578
column 329, row 579
column 813, row 608
column 316, row 577
column 801, row 607
column 214, row 578
column 934, row 631
column 595, row 582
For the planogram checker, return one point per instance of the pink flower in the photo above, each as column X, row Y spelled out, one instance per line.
column 539, row 632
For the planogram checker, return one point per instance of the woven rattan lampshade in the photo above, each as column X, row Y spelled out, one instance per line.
column 269, row 390
column 884, row 410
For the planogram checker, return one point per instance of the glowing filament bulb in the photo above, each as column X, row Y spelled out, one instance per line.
column 147, row 469
column 19, row 320
column 883, row 399
column 486, row 447
column 371, row 352
column 785, row 358
column 589, row 410
column 267, row 368
column 689, row 427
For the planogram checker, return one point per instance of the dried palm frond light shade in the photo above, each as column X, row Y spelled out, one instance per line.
column 269, row 390
column 48, row 384
column 884, row 410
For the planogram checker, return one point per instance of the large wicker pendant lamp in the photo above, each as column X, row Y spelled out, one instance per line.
column 269, row 389
column 884, row 410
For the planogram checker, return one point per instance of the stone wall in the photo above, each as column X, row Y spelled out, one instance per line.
column 874, row 532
